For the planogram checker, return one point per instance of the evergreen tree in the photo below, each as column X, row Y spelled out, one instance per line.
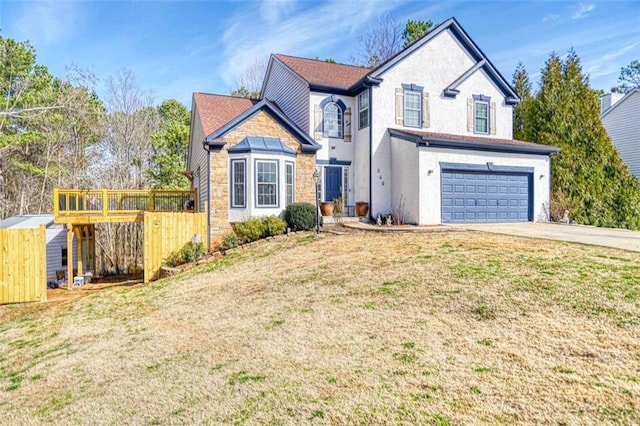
column 170, row 146
column 522, row 86
column 629, row 78
column 588, row 177
column 414, row 30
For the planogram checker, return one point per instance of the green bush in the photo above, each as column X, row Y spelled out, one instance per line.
column 300, row 216
column 188, row 253
column 230, row 240
column 251, row 229
column 273, row 225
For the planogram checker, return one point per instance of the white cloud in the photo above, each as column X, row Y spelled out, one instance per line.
column 606, row 64
column 48, row 21
column 551, row 18
column 272, row 11
column 252, row 34
column 583, row 11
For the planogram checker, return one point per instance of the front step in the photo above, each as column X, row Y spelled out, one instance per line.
column 331, row 219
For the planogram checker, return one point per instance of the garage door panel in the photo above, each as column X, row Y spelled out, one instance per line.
column 470, row 196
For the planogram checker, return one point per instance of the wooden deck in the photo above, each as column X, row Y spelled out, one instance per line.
column 93, row 206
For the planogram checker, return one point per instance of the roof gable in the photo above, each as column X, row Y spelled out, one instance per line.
column 482, row 62
column 322, row 73
column 620, row 101
column 217, row 110
column 350, row 79
column 307, row 144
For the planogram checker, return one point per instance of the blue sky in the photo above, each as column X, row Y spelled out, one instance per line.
column 177, row 47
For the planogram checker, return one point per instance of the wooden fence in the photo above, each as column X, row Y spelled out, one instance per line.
column 165, row 233
column 23, row 265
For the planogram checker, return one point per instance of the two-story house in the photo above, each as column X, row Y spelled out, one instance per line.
column 427, row 134
column 620, row 115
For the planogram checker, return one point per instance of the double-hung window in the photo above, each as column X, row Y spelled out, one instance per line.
column 332, row 125
column 481, row 117
column 412, row 102
column 289, row 179
column 266, row 183
column 363, row 109
column 238, row 183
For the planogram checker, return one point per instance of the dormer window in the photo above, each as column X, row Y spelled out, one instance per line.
column 332, row 121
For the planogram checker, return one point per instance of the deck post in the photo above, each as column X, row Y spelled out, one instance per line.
column 152, row 200
column 56, row 203
column 79, row 249
column 69, row 256
column 105, row 203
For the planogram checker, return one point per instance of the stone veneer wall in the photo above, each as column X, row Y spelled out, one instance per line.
column 260, row 125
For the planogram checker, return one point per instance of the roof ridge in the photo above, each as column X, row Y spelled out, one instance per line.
column 324, row 61
column 225, row 96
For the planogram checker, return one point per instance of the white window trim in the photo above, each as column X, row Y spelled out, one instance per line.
column 233, row 184
column 475, row 117
column 361, row 109
column 419, row 109
column 288, row 164
column 340, row 120
column 276, row 183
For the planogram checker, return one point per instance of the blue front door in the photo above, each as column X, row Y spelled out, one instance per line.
column 332, row 183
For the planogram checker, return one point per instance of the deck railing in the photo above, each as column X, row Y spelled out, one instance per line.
column 108, row 202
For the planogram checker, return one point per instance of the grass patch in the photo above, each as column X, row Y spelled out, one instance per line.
column 381, row 328
column 242, row 377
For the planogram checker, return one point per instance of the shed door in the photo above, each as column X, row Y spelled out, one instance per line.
column 474, row 196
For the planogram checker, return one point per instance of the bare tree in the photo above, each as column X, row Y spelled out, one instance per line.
column 381, row 42
column 249, row 82
column 125, row 153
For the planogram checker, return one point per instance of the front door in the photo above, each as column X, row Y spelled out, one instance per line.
column 332, row 183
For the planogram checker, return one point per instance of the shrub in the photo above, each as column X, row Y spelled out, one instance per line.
column 230, row 240
column 273, row 225
column 188, row 253
column 251, row 229
column 300, row 216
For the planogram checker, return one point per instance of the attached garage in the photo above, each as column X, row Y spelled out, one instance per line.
column 444, row 178
column 486, row 196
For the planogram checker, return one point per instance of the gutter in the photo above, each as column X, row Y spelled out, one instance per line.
column 208, row 207
column 370, row 152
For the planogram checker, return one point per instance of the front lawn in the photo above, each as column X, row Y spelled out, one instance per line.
column 363, row 328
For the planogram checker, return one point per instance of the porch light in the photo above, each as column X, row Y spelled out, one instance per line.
column 316, row 180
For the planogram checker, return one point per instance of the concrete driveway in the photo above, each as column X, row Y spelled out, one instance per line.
column 607, row 237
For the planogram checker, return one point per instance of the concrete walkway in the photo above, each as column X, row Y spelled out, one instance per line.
column 607, row 237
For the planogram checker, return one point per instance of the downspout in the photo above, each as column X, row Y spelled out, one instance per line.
column 205, row 146
column 370, row 153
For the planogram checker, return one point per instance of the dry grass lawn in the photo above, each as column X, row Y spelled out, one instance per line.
column 363, row 328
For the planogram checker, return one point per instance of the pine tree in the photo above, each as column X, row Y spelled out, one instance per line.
column 588, row 177
column 522, row 85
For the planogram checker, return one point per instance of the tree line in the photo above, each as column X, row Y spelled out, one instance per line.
column 57, row 132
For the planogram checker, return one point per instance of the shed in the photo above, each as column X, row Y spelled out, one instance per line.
column 55, row 240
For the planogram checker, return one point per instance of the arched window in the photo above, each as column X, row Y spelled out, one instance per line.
column 332, row 121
